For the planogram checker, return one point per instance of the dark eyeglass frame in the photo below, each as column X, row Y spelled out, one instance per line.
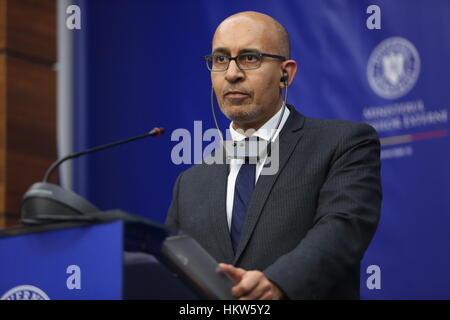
column 259, row 54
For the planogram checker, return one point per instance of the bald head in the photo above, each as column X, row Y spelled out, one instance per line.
column 272, row 29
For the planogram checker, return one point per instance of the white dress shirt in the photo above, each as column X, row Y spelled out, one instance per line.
column 265, row 132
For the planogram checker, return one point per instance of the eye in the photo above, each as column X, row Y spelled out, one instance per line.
column 220, row 59
column 251, row 57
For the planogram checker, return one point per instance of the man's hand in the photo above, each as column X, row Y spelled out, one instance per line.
column 251, row 285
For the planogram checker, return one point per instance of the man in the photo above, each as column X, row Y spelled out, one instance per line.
column 301, row 232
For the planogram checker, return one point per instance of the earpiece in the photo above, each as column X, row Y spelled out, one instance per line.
column 285, row 77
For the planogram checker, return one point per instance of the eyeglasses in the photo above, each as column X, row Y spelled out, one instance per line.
column 244, row 61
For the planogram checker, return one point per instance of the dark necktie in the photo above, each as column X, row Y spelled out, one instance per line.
column 245, row 183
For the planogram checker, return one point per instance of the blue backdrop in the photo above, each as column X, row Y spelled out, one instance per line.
column 139, row 65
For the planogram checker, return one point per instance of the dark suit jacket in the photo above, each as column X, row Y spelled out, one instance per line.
column 307, row 226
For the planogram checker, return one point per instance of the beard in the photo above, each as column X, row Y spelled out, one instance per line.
column 241, row 112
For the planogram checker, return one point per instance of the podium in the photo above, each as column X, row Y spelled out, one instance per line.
column 106, row 260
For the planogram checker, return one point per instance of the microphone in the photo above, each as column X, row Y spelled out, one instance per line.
column 47, row 202
column 155, row 132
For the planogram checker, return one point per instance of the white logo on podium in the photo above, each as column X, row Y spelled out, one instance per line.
column 25, row 292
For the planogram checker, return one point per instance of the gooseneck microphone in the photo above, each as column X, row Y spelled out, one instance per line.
column 46, row 202
column 155, row 132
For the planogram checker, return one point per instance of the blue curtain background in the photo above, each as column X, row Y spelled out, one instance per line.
column 139, row 65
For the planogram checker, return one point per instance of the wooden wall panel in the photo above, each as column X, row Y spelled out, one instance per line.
column 31, row 126
column 31, row 28
column 2, row 139
column 2, row 25
column 27, row 99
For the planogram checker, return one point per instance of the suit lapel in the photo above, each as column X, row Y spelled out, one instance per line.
column 289, row 138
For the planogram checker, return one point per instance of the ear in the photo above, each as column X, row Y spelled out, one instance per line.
column 289, row 66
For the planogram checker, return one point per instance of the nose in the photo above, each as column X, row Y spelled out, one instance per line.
column 234, row 74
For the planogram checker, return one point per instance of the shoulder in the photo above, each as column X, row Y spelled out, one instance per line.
column 331, row 138
column 198, row 174
column 340, row 127
column 338, row 131
column 329, row 129
column 196, row 170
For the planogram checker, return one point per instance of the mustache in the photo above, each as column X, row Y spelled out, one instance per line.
column 235, row 89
